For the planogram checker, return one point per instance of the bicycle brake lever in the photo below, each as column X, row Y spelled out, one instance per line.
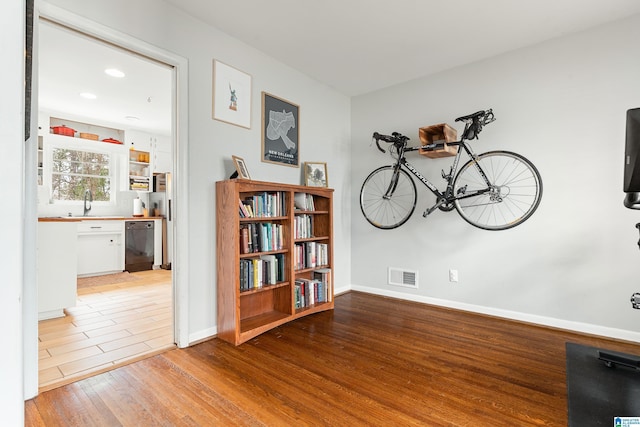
column 376, row 137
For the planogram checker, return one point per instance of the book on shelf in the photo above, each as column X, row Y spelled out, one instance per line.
column 324, row 275
column 303, row 201
column 309, row 292
column 303, row 227
column 261, row 237
column 256, row 273
column 310, row 255
column 264, row 204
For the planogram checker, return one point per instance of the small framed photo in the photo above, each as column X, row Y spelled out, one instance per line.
column 241, row 167
column 315, row 174
column 280, row 131
column 231, row 95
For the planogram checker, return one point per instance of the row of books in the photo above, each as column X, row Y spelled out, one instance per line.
column 138, row 183
column 261, row 237
column 308, row 292
column 310, row 255
column 258, row 272
column 263, row 205
column 304, row 201
column 303, row 227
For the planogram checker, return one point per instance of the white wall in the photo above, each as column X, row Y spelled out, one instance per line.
column 561, row 104
column 11, row 227
column 324, row 131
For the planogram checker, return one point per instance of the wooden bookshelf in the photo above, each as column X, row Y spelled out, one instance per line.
column 247, row 307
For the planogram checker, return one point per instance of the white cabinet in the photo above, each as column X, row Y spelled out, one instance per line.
column 140, row 161
column 139, row 171
column 136, row 140
column 100, row 247
column 57, row 259
column 161, row 154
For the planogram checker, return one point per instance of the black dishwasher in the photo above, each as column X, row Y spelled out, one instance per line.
column 138, row 255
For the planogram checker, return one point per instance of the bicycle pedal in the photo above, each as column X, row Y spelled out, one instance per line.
column 430, row 210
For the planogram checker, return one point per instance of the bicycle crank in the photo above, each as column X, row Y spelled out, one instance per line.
column 441, row 204
column 446, row 207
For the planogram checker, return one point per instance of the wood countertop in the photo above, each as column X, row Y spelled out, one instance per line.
column 97, row 218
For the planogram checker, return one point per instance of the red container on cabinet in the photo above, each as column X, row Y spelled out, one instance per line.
column 63, row 130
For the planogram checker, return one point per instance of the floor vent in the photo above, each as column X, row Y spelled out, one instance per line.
column 401, row 277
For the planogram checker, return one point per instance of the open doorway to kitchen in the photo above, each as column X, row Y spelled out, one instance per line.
column 105, row 158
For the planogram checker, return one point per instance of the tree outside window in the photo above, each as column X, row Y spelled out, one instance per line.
column 75, row 171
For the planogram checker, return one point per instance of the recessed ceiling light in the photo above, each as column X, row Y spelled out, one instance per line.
column 88, row 95
column 132, row 118
column 114, row 72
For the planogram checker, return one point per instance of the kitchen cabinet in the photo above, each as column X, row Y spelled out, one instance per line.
column 100, row 247
column 161, row 154
column 139, row 176
column 137, row 140
column 149, row 154
column 56, row 275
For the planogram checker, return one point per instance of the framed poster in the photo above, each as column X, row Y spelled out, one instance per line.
column 231, row 95
column 280, row 131
column 315, row 174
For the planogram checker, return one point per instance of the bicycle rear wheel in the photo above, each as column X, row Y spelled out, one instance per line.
column 388, row 197
column 512, row 197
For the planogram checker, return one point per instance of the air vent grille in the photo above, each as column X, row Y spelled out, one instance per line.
column 403, row 277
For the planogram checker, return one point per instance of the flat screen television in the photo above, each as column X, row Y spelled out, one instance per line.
column 632, row 160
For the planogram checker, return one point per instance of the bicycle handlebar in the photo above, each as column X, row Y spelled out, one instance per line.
column 474, row 121
column 394, row 138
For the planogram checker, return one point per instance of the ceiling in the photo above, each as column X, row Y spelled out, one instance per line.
column 354, row 46
column 359, row 46
column 70, row 64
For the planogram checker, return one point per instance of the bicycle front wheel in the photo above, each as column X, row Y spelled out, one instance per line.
column 388, row 197
column 512, row 196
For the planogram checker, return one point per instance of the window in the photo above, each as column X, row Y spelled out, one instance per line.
column 75, row 170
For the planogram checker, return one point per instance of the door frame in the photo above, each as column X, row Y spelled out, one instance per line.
column 180, row 144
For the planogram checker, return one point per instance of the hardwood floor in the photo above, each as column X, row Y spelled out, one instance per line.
column 373, row 361
column 111, row 324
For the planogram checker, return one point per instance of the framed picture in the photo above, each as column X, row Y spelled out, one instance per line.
column 315, row 174
column 231, row 95
column 280, row 131
column 241, row 167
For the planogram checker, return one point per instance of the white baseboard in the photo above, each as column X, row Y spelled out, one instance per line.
column 341, row 290
column 586, row 328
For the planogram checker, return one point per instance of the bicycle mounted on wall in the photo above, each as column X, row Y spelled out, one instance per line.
column 495, row 190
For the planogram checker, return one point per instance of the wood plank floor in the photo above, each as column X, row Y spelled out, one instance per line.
column 372, row 361
column 111, row 324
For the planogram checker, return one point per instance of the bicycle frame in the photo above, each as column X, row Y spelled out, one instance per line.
column 447, row 196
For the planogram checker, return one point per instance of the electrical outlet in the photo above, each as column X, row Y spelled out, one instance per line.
column 453, row 275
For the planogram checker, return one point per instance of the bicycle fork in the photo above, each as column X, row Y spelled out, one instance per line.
column 393, row 184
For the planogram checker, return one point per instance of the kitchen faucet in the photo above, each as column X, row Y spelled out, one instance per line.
column 87, row 197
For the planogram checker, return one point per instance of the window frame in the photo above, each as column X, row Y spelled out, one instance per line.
column 53, row 142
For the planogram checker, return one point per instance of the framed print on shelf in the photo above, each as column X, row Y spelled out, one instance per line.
column 231, row 95
column 315, row 174
column 280, row 131
column 241, row 167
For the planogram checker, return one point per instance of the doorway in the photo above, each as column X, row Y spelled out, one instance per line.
column 75, row 337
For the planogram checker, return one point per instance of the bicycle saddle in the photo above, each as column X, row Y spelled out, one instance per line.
column 471, row 116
